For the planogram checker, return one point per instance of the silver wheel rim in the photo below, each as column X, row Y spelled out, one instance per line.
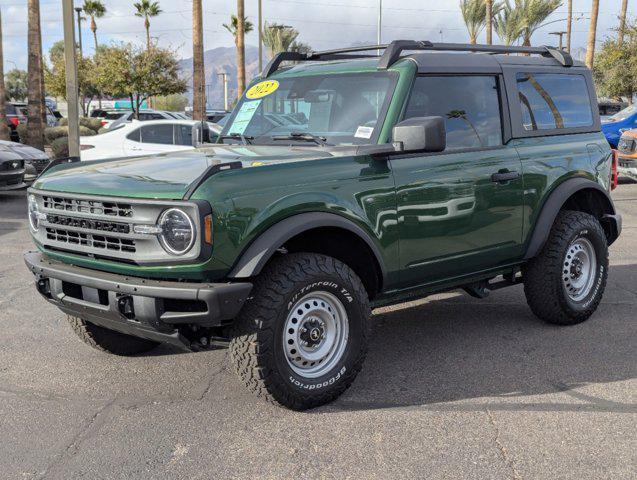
column 580, row 265
column 315, row 335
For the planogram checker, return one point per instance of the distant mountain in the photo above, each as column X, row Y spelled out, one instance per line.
column 218, row 60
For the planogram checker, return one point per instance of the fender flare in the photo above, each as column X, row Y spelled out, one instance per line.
column 554, row 203
column 254, row 258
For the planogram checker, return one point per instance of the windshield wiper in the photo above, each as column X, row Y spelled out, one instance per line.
column 303, row 136
column 245, row 139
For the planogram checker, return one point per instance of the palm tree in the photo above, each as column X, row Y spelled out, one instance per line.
column 489, row 19
column 474, row 14
column 622, row 23
column 241, row 53
column 94, row 9
column 569, row 24
column 592, row 32
column 147, row 9
column 278, row 38
column 232, row 26
column 4, row 127
column 508, row 24
column 198, row 76
column 533, row 13
column 35, row 81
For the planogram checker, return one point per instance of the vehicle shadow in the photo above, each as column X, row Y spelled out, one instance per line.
column 461, row 350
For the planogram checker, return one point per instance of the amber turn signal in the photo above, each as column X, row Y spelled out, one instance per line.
column 207, row 229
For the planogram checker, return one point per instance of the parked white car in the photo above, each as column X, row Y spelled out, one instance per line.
column 143, row 138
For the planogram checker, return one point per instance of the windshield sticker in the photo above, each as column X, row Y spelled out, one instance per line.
column 262, row 89
column 364, row 132
column 244, row 116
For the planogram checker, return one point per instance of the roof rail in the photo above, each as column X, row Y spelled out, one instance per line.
column 393, row 51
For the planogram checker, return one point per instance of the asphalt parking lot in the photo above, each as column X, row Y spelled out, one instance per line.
column 453, row 387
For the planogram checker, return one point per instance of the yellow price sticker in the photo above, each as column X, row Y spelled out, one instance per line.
column 262, row 89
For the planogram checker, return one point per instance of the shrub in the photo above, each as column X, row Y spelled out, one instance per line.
column 60, row 147
column 51, row 133
column 91, row 123
column 86, row 132
column 22, row 132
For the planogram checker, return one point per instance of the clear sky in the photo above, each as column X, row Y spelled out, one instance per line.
column 322, row 23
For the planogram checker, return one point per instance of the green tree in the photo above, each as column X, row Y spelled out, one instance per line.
column 175, row 102
column 232, row 26
column 474, row 14
column 508, row 24
column 15, row 83
column 278, row 38
column 55, row 76
column 615, row 66
column 301, row 47
column 147, row 9
column 94, row 9
column 532, row 14
column 127, row 71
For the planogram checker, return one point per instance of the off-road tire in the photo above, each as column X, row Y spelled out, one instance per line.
column 256, row 347
column 109, row 341
column 543, row 286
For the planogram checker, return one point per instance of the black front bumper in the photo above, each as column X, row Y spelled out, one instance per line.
column 151, row 309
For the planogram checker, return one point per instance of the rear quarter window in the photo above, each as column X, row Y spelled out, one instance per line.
column 550, row 101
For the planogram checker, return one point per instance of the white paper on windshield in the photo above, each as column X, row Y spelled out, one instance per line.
column 244, row 115
column 364, row 132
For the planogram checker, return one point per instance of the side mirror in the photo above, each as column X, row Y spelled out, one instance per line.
column 420, row 134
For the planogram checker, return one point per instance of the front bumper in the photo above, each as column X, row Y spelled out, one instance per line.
column 12, row 179
column 150, row 309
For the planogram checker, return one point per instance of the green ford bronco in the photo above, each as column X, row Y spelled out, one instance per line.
column 344, row 181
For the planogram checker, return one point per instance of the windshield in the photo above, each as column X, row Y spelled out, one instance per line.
column 339, row 109
column 624, row 114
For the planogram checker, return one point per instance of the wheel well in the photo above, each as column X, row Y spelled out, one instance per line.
column 345, row 246
column 592, row 201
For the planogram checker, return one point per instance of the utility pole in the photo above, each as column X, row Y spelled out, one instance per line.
column 569, row 23
column 225, row 89
column 379, row 34
column 199, row 74
column 71, row 78
column 559, row 34
column 79, row 28
column 260, row 40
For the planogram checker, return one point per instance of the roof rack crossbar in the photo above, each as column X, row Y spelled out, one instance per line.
column 393, row 51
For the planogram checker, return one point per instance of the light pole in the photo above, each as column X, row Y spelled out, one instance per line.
column 260, row 22
column 79, row 28
column 71, row 79
column 379, row 35
column 225, row 89
column 559, row 34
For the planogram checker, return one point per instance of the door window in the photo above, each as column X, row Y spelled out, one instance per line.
column 470, row 106
column 183, row 135
column 161, row 133
column 134, row 135
column 554, row 101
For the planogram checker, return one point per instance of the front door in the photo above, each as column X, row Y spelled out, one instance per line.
column 459, row 211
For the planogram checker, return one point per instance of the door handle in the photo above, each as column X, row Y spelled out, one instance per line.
column 504, row 176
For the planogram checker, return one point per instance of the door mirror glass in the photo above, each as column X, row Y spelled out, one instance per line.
column 420, row 134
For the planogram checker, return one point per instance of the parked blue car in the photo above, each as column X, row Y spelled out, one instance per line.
column 614, row 126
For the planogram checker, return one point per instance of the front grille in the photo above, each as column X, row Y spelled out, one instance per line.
column 88, row 223
column 40, row 164
column 93, row 207
column 10, row 165
column 103, row 242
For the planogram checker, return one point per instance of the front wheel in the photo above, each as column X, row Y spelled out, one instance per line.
column 301, row 339
column 565, row 282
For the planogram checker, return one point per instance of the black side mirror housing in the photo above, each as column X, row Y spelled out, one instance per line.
column 420, row 134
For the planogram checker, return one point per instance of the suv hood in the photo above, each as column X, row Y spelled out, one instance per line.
column 168, row 176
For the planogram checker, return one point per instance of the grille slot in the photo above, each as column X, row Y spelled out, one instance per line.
column 93, row 207
column 103, row 242
column 88, row 224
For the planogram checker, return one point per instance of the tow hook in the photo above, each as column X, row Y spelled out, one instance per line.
column 126, row 307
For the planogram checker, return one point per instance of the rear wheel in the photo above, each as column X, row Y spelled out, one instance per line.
column 302, row 338
column 565, row 282
column 109, row 341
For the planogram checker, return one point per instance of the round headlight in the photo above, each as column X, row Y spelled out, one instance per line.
column 177, row 231
column 34, row 213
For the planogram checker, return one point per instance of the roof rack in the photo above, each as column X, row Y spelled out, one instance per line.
column 393, row 51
